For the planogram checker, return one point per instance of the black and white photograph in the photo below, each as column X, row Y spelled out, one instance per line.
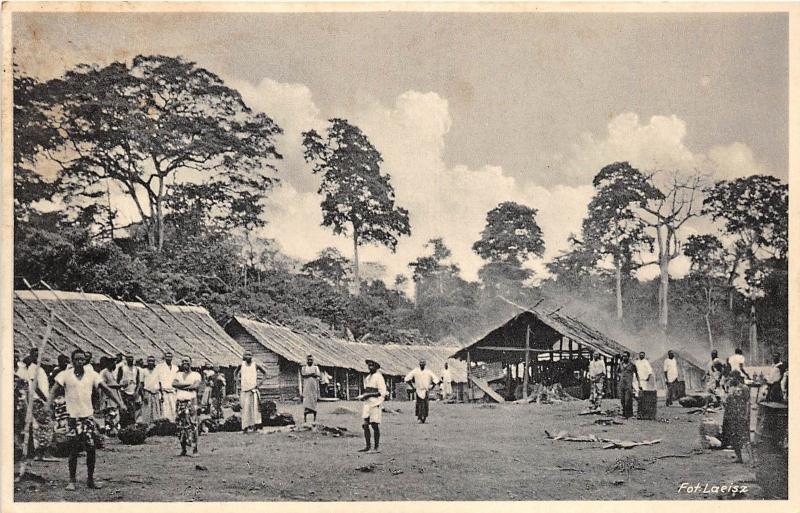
column 400, row 254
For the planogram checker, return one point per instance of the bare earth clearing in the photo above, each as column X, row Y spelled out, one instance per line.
column 464, row 452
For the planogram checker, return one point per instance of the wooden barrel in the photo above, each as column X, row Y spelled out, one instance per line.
column 770, row 450
column 647, row 405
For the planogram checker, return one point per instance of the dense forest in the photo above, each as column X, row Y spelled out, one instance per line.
column 137, row 125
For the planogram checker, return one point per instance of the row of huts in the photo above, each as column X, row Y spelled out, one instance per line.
column 106, row 327
column 539, row 345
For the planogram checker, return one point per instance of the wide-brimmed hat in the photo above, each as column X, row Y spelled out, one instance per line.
column 373, row 362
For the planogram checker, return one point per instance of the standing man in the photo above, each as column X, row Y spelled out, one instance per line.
column 249, row 395
column 736, row 362
column 626, row 371
column 167, row 372
column 645, row 372
column 311, row 376
column 41, row 425
column 671, row 377
column 714, row 372
column 186, row 383
column 373, row 397
column 128, row 377
column 597, row 375
column 78, row 385
column 424, row 381
column 150, row 391
column 447, row 382
column 774, row 379
column 218, row 384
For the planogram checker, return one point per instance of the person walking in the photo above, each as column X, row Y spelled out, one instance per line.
column 78, row 385
column 371, row 413
column 186, row 384
column 424, row 380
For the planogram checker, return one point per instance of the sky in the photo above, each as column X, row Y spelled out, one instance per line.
column 470, row 110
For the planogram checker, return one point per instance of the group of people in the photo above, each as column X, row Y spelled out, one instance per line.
column 718, row 372
column 632, row 375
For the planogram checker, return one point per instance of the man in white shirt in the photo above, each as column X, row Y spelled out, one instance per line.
column 249, row 396
column 645, row 372
column 167, row 371
column 597, row 375
column 373, row 397
column 447, row 382
column 671, row 377
column 78, row 385
column 424, row 380
column 186, row 383
column 736, row 362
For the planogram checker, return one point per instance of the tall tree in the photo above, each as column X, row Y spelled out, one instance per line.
column 709, row 270
column 138, row 126
column 330, row 266
column 432, row 273
column 754, row 211
column 510, row 238
column 357, row 198
column 612, row 228
column 33, row 135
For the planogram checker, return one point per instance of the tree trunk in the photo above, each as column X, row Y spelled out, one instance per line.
column 754, row 356
column 708, row 319
column 663, row 291
column 618, row 269
column 355, row 263
column 160, row 215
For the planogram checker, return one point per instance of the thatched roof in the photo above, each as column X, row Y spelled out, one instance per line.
column 105, row 327
column 395, row 359
column 547, row 328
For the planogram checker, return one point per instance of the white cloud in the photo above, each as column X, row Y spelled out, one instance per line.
column 734, row 161
column 658, row 144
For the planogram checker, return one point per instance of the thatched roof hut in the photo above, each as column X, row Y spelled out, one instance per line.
column 283, row 350
column 104, row 326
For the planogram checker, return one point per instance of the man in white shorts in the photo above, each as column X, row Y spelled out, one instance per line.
column 373, row 397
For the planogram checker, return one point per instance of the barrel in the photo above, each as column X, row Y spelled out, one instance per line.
column 647, row 405
column 770, row 450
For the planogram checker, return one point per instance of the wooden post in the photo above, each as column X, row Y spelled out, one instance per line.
column 527, row 361
column 570, row 349
column 347, row 384
column 469, row 381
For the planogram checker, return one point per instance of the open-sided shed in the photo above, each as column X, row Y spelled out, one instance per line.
column 549, row 346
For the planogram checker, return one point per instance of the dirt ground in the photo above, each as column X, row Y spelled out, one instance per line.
column 463, row 452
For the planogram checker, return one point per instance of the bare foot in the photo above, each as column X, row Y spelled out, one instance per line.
column 365, row 449
column 93, row 485
column 70, row 487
